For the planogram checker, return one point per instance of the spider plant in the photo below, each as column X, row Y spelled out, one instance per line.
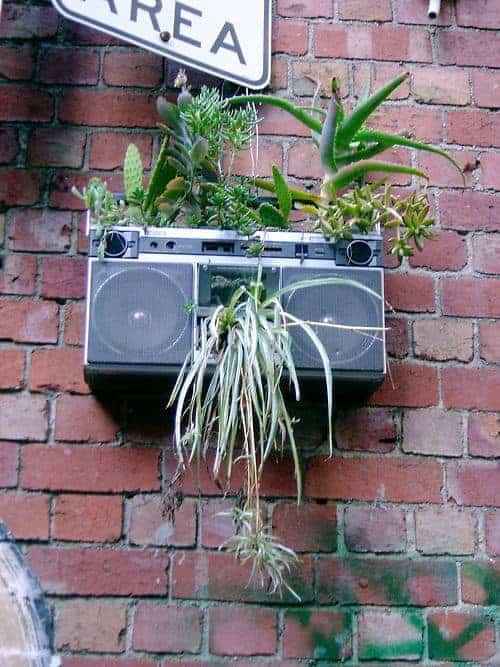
column 230, row 389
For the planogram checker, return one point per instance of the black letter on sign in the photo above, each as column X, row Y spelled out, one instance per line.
column 152, row 11
column 181, row 20
column 234, row 46
column 112, row 6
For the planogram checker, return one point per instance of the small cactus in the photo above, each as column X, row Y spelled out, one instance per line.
column 132, row 171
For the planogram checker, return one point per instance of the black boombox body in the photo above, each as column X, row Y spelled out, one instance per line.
column 146, row 298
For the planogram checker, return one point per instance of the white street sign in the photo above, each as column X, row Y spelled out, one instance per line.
column 230, row 39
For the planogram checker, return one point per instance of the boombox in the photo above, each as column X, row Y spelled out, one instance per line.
column 148, row 294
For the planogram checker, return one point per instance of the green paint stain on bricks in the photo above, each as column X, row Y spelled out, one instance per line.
column 325, row 646
column 444, row 648
column 485, row 576
column 392, row 650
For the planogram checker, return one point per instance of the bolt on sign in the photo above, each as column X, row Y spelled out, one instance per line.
column 230, row 39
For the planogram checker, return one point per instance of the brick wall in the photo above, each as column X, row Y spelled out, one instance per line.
column 400, row 535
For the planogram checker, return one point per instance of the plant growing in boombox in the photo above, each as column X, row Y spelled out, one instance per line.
column 229, row 395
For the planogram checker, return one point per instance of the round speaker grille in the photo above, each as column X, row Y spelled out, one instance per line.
column 140, row 313
column 344, row 305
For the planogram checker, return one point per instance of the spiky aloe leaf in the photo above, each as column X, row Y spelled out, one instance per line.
column 297, row 195
column 347, row 175
column 295, row 111
column 133, row 171
column 327, row 139
column 271, row 217
column 162, row 174
column 282, row 193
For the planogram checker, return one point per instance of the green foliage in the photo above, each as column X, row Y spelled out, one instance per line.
column 133, row 172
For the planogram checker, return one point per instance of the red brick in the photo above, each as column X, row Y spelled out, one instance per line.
column 28, row 22
column 148, row 525
column 420, row 583
column 482, row 14
column 486, row 253
column 270, row 153
column 469, row 128
column 396, row 337
column 447, row 252
column 461, row 636
column 39, row 230
column 467, row 47
column 242, row 631
column 8, row 464
column 23, row 417
column 18, row 275
column 442, row 173
column 305, row 9
column 217, row 525
column 379, row 529
column 160, row 628
column 303, row 161
column 402, row 631
column 80, row 518
column 474, row 483
column 92, row 107
column 445, row 530
column 279, row 74
column 306, row 527
column 226, row 578
column 99, row 571
column 19, row 187
column 443, row 339
column 489, row 336
column 317, row 634
column 63, row 278
column 409, row 292
column 74, row 318
column 26, row 515
column 394, row 479
column 85, row 468
column 484, row 435
column 480, row 582
column 277, row 121
column 439, row 85
column 70, row 66
column 433, row 432
column 372, row 43
column 366, row 429
column 101, row 661
column 133, row 68
column 107, row 150
column 471, row 388
column 16, row 63
column 76, row 33
column 9, row 144
column 289, row 37
column 415, row 386
column 415, row 11
column 58, row 370
column 382, row 74
column 308, row 73
column 468, row 211
column 471, row 297
column 28, row 321
column 359, row 10
column 490, row 165
column 492, row 529
column 486, row 89
column 12, row 363
column 91, row 625
column 57, row 148
column 24, row 104
column 421, row 123
column 63, row 182
column 83, row 418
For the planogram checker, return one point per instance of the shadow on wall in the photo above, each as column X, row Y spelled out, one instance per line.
column 26, row 629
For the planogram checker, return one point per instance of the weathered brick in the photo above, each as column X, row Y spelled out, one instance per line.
column 133, row 68
column 149, row 525
column 57, row 148
column 83, row 418
column 443, row 339
column 470, row 297
column 80, row 571
column 26, row 515
column 433, row 432
column 446, row 252
column 358, row 10
column 459, row 635
column 107, row 149
column 393, row 479
column 63, row 278
column 415, row 11
column 270, row 153
column 443, row 173
column 483, row 14
column 277, row 121
column 23, row 417
column 467, row 47
column 19, row 187
column 415, row 386
column 467, row 211
column 386, row 581
column 305, row 9
column 486, row 253
column 378, row 529
column 289, row 37
column 39, row 230
column 9, row 455
column 490, row 166
column 24, row 104
column 16, row 63
column 492, row 530
column 91, row 107
column 160, row 628
column 486, row 89
column 366, row 429
column 91, row 625
column 12, row 363
column 279, row 73
column 85, row 468
column 325, row 635
column 306, row 527
column 489, row 338
column 445, row 530
column 28, row 321
column 481, row 582
column 82, row 518
column 9, row 144
column 225, row 578
column 471, row 388
column 308, row 73
column 61, row 189
column 74, row 319
column 18, row 275
column 242, row 631
column 26, row 22
column 439, row 85
column 303, row 161
column 77, row 33
column 390, row 634
column 58, row 370
column 474, row 483
column 473, row 128
column 484, row 435
column 396, row 337
column 217, row 525
column 70, row 66
column 101, row 661
column 411, row 293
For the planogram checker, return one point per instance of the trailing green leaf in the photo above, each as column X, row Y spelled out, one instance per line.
column 282, row 193
column 295, row 111
column 348, row 175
